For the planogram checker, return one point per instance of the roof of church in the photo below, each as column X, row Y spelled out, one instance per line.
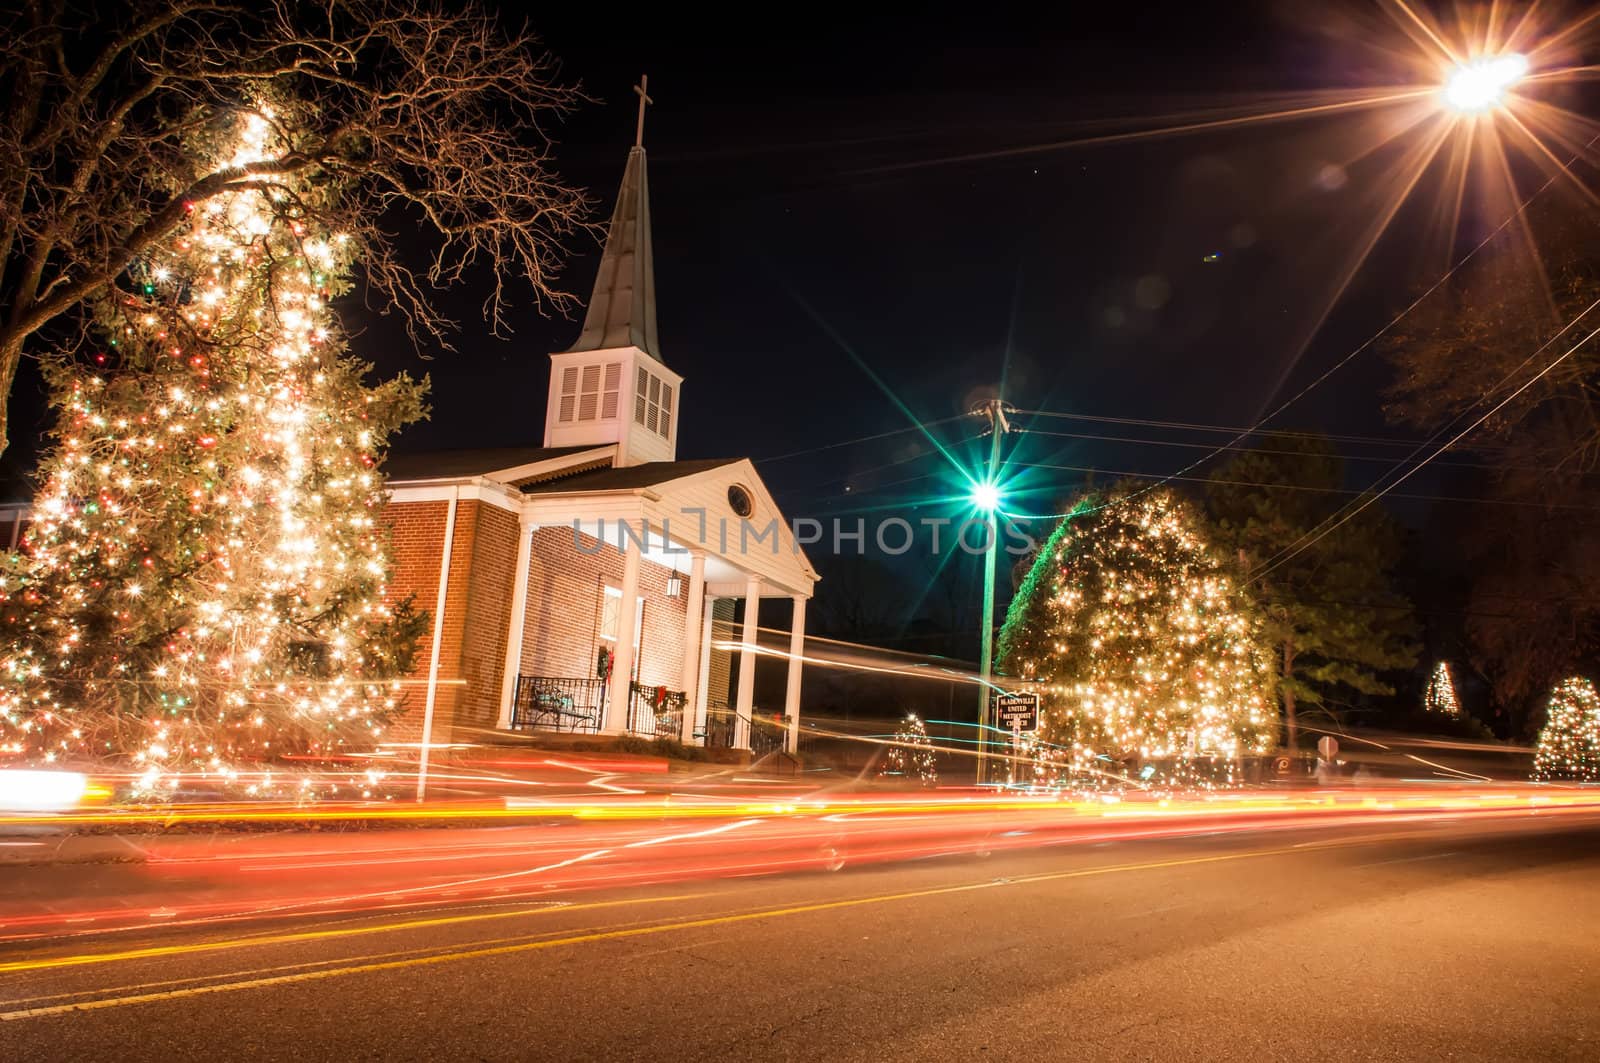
column 450, row 464
column 627, row 478
column 622, row 310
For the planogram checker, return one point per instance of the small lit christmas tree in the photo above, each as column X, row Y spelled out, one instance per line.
column 205, row 578
column 1441, row 693
column 912, row 754
column 1569, row 745
column 1144, row 647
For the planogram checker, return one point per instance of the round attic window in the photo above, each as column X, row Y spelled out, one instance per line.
column 740, row 501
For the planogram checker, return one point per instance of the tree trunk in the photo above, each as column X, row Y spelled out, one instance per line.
column 10, row 359
column 1290, row 729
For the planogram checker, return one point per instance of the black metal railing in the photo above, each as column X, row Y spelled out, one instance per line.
column 655, row 712
column 766, row 733
column 554, row 703
column 721, row 727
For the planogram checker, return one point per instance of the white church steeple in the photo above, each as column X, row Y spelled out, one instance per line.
column 612, row 386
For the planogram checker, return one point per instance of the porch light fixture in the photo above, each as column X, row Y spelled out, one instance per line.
column 674, row 586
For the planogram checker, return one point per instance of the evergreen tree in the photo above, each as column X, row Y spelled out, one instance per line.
column 1142, row 642
column 1569, row 744
column 1441, row 693
column 205, row 578
column 1331, row 613
column 912, row 755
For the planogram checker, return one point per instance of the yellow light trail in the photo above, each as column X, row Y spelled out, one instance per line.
column 590, row 937
column 1497, row 797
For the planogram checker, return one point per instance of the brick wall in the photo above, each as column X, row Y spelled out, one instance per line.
column 417, row 537
column 566, row 586
column 561, row 632
column 487, row 614
column 477, row 611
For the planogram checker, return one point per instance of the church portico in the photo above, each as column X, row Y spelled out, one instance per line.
column 608, row 615
column 663, row 554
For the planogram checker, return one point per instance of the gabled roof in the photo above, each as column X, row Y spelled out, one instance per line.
column 462, row 464
column 628, row 478
column 693, row 504
column 622, row 310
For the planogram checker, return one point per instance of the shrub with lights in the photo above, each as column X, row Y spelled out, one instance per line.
column 1569, row 745
column 1145, row 647
column 204, row 583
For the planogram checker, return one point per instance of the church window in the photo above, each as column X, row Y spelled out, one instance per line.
column 652, row 403
column 590, row 392
column 569, row 393
column 611, row 612
column 608, row 394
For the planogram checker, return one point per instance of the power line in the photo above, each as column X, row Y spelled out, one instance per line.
column 1267, row 450
column 863, row 439
column 1165, row 477
column 1221, row 429
column 1296, row 548
column 893, row 464
column 1300, row 487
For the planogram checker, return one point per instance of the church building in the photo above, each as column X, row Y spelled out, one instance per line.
column 579, row 585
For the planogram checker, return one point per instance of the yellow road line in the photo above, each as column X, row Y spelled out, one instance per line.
column 157, row 951
column 613, row 935
column 306, row 965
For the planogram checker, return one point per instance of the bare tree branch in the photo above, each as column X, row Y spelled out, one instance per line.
column 421, row 114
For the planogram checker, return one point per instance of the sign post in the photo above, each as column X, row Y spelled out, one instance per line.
column 1020, row 712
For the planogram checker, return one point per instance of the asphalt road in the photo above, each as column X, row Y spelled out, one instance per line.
column 1399, row 941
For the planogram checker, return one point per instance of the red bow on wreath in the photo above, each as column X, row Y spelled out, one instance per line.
column 661, row 697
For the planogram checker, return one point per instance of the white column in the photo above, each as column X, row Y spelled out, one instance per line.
column 519, row 618
column 689, row 677
column 622, row 659
column 747, row 663
column 791, row 692
column 702, row 692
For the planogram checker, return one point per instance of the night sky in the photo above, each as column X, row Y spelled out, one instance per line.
column 802, row 203
column 816, row 226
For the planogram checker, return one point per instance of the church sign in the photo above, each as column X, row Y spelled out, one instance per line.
column 1017, row 712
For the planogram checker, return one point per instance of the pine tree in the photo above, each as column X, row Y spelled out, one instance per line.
column 204, row 582
column 1441, row 693
column 1569, row 745
column 1144, row 646
column 912, row 754
column 1331, row 613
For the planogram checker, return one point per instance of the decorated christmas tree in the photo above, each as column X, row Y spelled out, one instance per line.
column 1569, row 745
column 1441, row 693
column 1145, row 648
column 912, row 755
column 204, row 584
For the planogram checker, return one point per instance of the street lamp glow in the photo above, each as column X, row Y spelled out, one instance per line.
column 1480, row 85
column 986, row 496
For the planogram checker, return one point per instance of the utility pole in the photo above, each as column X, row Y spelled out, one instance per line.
column 988, row 499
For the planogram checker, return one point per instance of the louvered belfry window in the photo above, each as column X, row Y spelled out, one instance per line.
column 590, row 392
column 569, row 394
column 652, row 403
column 609, row 388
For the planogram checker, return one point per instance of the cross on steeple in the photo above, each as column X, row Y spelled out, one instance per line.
column 644, row 100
